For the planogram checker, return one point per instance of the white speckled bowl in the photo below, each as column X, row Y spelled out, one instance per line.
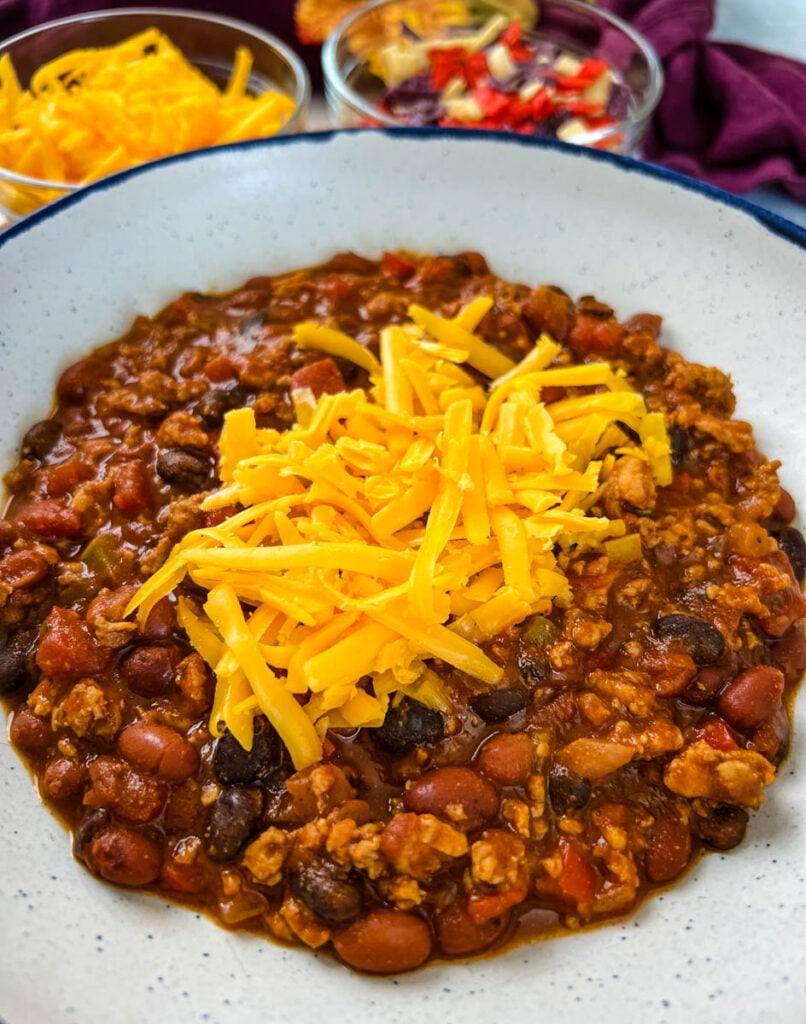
column 728, row 943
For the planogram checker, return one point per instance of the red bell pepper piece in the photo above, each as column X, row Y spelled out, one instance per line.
column 492, row 102
column 717, row 735
column 476, row 69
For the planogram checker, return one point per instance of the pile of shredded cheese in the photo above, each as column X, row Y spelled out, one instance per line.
column 387, row 528
column 92, row 112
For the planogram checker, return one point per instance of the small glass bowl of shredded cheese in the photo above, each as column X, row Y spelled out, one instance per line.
column 90, row 95
column 549, row 68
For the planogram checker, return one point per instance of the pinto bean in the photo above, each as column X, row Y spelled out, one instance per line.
column 753, row 696
column 698, row 638
column 385, row 942
column 459, row 794
column 159, row 749
column 62, row 778
column 723, row 828
column 500, row 704
column 459, row 935
column 408, row 725
column 29, row 733
column 233, row 820
column 188, row 470
column 115, row 785
column 148, row 671
column 327, row 892
column 126, row 857
column 507, row 758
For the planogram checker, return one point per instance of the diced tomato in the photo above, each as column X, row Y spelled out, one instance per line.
column 591, row 335
column 322, row 377
column 51, row 519
column 482, row 906
column 132, row 487
column 578, row 878
column 395, row 265
column 67, row 647
column 335, row 291
column 219, row 369
column 64, row 477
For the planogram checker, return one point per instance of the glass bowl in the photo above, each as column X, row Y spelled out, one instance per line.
column 573, row 29
column 208, row 41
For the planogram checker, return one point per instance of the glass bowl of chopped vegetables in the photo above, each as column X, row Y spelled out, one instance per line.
column 555, row 68
column 89, row 95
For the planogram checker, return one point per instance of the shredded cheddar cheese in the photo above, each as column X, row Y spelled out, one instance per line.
column 91, row 112
column 392, row 527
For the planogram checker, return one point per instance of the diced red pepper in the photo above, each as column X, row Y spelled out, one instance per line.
column 512, row 38
column 446, row 64
column 542, row 105
column 582, row 109
column 476, row 69
column 578, row 877
column 483, row 907
column 492, row 102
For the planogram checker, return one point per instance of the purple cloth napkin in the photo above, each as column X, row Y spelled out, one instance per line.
column 729, row 114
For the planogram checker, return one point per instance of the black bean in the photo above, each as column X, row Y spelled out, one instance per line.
column 791, row 542
column 325, row 891
column 217, row 402
column 498, row 705
column 184, row 469
column 233, row 820
column 567, row 791
column 533, row 667
column 698, row 638
column 723, row 828
column 41, row 439
column 680, row 443
column 408, row 725
column 17, row 669
column 235, row 766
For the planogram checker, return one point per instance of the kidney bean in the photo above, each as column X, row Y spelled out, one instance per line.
column 706, row 686
column 459, row 794
column 188, row 470
column 126, row 857
column 136, row 798
column 233, row 820
column 67, row 648
column 408, row 725
column 385, row 942
column 789, row 653
column 350, row 263
column 148, row 671
column 29, row 733
column 723, row 828
column 771, row 738
column 752, row 696
column 235, row 766
column 500, row 704
column 327, row 892
column 791, row 542
column 62, row 778
column 785, row 507
column 159, row 749
column 698, row 638
column 17, row 668
column 77, row 379
column 669, row 848
column 459, row 935
column 161, row 621
column 41, row 439
column 507, row 758
column 549, row 309
column 567, row 791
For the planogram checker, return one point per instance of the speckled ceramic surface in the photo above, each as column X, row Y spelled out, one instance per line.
column 728, row 943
